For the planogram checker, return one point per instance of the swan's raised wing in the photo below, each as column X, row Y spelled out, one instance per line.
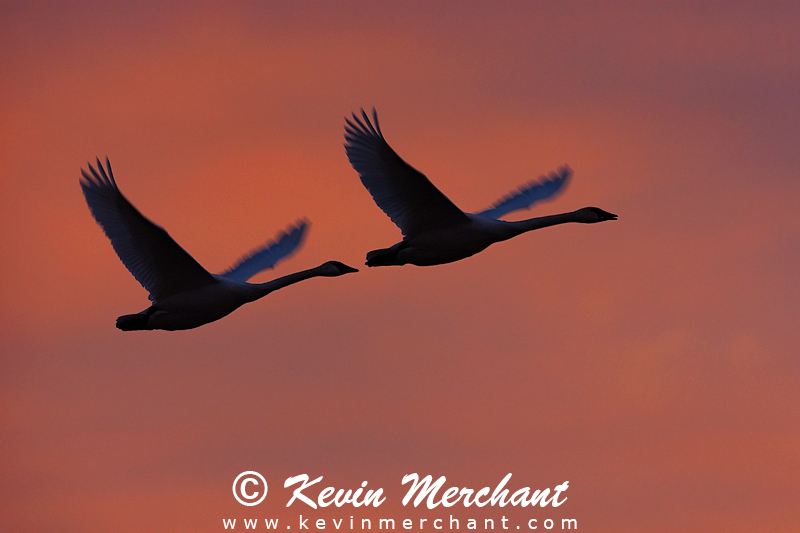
column 154, row 259
column 527, row 195
column 406, row 195
column 267, row 256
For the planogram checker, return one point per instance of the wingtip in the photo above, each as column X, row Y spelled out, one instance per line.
column 299, row 228
column 360, row 125
column 300, row 223
column 110, row 173
column 94, row 179
column 84, row 180
column 375, row 118
column 100, row 175
column 302, row 226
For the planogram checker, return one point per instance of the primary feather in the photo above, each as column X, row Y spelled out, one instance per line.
column 284, row 245
column 146, row 250
column 535, row 191
column 413, row 203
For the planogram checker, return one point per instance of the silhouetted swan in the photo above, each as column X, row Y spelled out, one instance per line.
column 435, row 230
column 184, row 294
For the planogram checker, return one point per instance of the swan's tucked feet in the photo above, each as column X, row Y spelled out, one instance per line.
column 135, row 322
column 381, row 257
column 385, row 256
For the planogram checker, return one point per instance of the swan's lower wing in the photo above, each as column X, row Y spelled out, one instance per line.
column 403, row 193
column 284, row 245
column 146, row 250
column 528, row 195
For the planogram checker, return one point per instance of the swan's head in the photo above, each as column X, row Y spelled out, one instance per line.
column 590, row 215
column 335, row 268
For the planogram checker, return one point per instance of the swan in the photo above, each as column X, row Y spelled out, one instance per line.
column 435, row 230
column 184, row 294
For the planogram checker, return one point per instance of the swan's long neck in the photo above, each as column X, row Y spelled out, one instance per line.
column 259, row 290
column 542, row 222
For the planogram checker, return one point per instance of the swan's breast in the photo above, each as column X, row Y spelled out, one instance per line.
column 191, row 309
column 456, row 242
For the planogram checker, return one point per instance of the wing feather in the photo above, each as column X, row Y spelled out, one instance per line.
column 267, row 256
column 146, row 250
column 526, row 196
column 413, row 203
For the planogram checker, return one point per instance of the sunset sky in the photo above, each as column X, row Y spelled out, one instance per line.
column 652, row 362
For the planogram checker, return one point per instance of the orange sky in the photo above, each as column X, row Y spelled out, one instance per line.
column 652, row 361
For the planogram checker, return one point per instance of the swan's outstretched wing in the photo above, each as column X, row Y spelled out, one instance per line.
column 406, row 195
column 154, row 259
column 267, row 256
column 527, row 195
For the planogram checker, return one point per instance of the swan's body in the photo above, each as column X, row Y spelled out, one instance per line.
column 435, row 230
column 184, row 294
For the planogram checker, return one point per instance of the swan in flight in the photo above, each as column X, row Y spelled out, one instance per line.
column 435, row 231
column 184, row 294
